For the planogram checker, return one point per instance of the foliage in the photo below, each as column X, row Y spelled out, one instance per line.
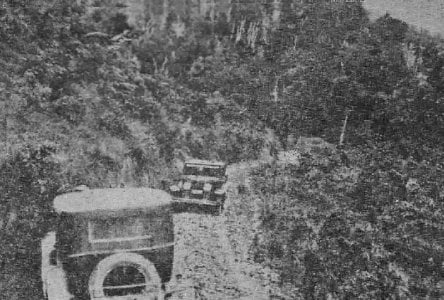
column 360, row 224
column 28, row 185
column 84, row 103
column 89, row 97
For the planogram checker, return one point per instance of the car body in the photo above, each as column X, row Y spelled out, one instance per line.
column 109, row 244
column 202, row 182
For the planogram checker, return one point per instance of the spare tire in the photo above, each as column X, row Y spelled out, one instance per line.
column 124, row 274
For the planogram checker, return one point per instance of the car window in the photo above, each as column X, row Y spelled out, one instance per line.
column 189, row 170
column 117, row 229
column 211, row 171
column 214, row 172
column 67, row 234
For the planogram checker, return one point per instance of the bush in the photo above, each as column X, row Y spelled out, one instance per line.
column 367, row 230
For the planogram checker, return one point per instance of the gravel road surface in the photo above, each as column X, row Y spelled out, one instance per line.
column 212, row 252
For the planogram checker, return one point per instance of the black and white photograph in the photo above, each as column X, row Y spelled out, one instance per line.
column 221, row 149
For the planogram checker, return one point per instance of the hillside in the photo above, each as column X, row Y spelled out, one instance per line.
column 119, row 94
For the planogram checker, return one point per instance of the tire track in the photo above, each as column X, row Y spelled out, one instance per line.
column 204, row 255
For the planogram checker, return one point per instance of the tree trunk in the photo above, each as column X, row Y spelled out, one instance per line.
column 344, row 127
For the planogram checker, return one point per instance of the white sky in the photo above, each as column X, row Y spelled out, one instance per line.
column 426, row 14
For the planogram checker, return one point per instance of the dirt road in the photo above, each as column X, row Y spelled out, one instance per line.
column 211, row 252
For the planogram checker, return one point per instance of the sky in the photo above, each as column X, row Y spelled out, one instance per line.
column 423, row 14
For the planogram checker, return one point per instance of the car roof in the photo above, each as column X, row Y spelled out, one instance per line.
column 111, row 200
column 205, row 162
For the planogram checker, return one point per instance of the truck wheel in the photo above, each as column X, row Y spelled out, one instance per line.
column 220, row 207
column 125, row 274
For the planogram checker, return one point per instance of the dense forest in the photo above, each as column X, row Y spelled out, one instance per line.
column 90, row 98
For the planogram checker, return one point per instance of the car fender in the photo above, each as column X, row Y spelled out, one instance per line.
column 53, row 276
column 222, row 190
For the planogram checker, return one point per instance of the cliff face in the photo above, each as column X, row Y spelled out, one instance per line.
column 149, row 14
column 427, row 15
column 144, row 13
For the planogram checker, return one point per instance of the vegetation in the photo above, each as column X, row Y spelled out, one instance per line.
column 352, row 224
column 361, row 221
column 88, row 98
column 80, row 107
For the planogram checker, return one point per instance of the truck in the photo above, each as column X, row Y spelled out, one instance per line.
column 202, row 183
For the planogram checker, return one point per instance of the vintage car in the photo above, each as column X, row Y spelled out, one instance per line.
column 115, row 243
column 202, row 182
